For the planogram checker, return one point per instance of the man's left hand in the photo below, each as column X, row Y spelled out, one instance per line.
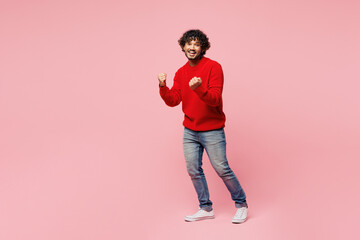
column 195, row 82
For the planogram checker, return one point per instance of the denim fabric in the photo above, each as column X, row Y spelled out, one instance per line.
column 194, row 143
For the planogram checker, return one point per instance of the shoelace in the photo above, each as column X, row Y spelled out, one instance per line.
column 240, row 212
column 200, row 212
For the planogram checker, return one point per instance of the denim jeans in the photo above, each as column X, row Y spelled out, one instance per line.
column 214, row 143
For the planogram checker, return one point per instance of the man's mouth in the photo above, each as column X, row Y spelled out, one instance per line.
column 191, row 52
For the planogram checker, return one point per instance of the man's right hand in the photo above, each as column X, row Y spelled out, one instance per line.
column 162, row 79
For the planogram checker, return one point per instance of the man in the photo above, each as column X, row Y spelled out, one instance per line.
column 198, row 85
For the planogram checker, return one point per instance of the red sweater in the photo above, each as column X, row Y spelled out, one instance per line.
column 203, row 106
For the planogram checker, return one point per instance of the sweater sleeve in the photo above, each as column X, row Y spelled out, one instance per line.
column 211, row 94
column 172, row 97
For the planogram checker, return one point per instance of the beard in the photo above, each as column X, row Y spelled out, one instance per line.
column 196, row 57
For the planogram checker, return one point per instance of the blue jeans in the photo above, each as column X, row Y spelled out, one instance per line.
column 214, row 143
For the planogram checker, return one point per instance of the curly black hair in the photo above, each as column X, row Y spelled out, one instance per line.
column 195, row 34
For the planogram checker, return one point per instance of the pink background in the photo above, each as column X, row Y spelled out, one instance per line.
column 88, row 150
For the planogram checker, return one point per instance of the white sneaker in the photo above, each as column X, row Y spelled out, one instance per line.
column 200, row 215
column 240, row 215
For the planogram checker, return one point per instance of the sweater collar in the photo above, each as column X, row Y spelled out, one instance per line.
column 201, row 62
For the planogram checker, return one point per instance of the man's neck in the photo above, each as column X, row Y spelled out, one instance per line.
column 195, row 62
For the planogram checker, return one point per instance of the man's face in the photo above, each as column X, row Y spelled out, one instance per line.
column 192, row 49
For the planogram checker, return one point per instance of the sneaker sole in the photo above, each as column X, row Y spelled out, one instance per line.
column 198, row 219
column 238, row 221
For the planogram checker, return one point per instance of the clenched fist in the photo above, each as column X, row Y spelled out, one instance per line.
column 162, row 79
column 195, row 82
